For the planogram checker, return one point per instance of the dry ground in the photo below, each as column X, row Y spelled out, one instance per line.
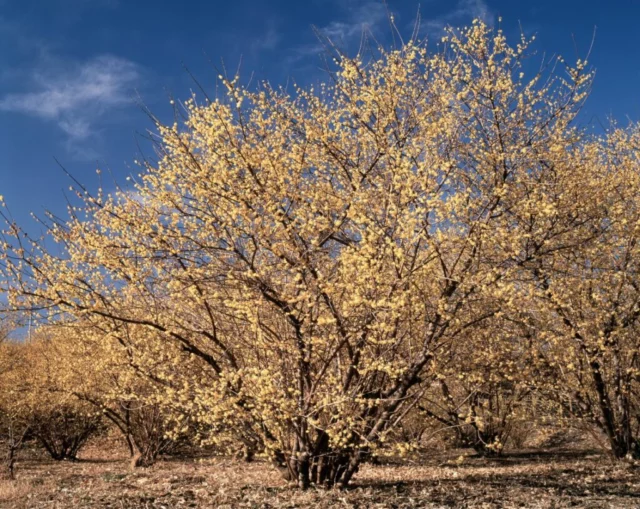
column 538, row 479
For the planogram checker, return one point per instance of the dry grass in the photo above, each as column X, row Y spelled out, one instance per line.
column 536, row 479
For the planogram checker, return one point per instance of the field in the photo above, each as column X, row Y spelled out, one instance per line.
column 557, row 477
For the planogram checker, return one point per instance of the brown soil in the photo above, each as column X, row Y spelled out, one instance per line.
column 551, row 478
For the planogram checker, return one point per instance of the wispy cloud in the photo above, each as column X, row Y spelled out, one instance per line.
column 268, row 41
column 76, row 97
column 464, row 11
column 359, row 17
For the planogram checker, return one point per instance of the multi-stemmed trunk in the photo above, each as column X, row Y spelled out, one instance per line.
column 63, row 434
column 323, row 466
column 315, row 461
column 616, row 413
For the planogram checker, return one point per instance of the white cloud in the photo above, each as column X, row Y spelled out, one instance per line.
column 476, row 9
column 464, row 11
column 76, row 97
column 359, row 17
column 269, row 41
column 362, row 17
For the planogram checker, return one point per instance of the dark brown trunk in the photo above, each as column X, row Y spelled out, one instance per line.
column 9, row 464
column 618, row 447
column 325, row 469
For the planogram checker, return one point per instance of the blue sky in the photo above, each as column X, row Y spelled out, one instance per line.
column 70, row 69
